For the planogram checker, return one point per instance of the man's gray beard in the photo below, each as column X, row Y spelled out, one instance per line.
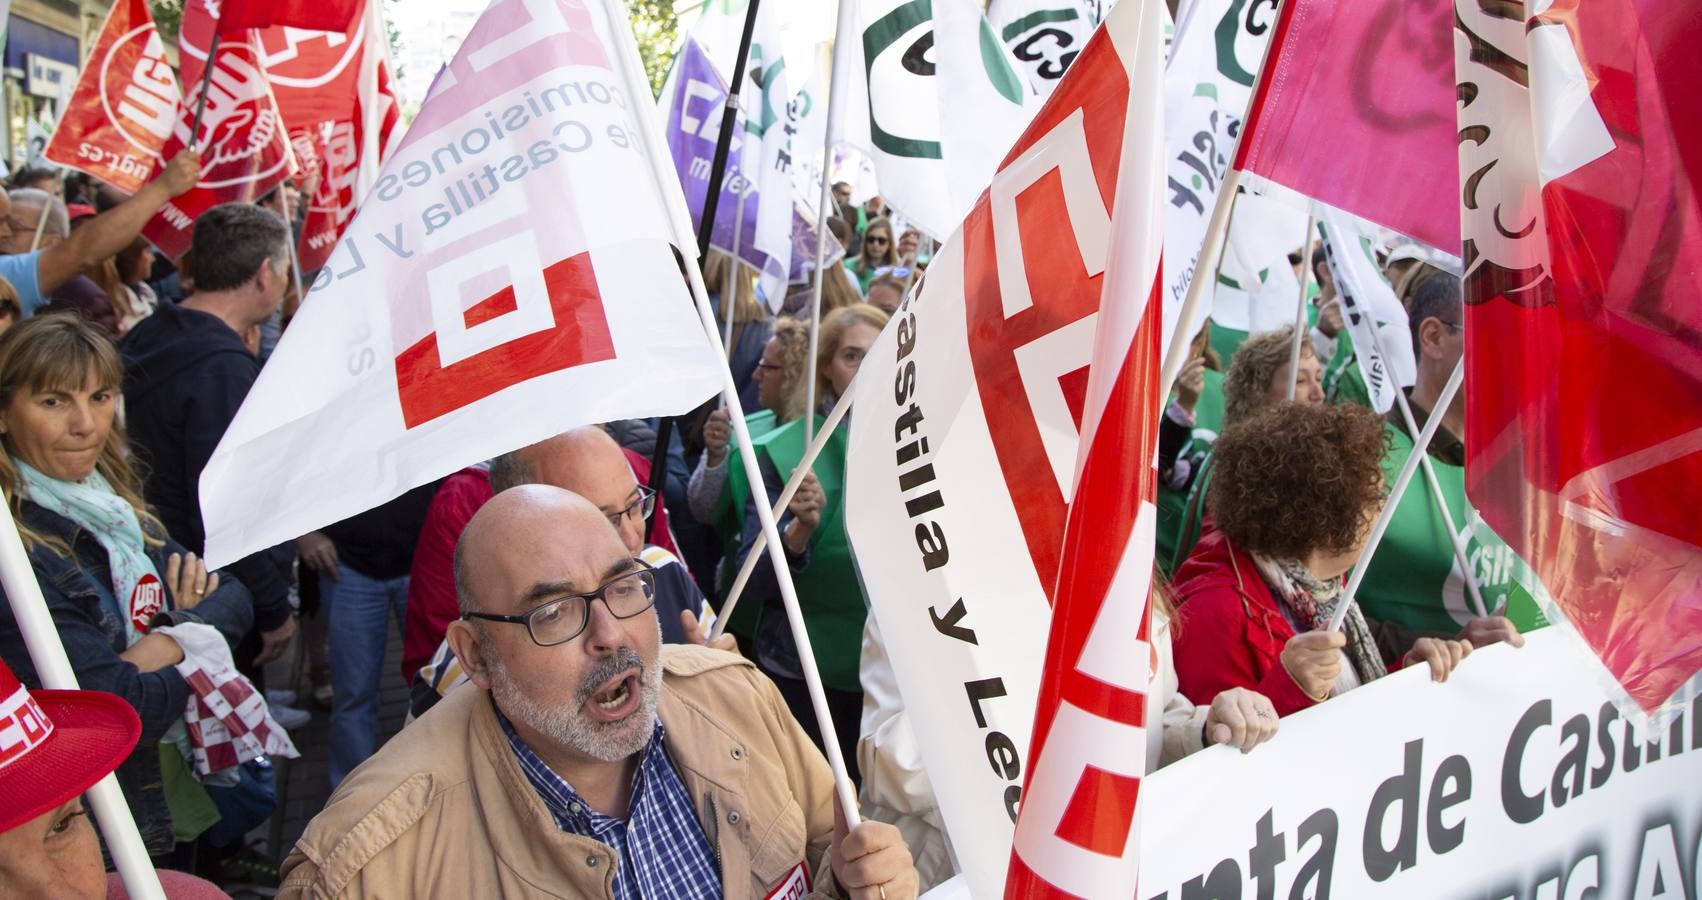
column 567, row 725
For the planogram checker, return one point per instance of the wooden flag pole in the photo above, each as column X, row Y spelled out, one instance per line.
column 842, row 37
column 674, row 202
column 1300, row 305
column 1420, row 450
column 117, row 827
column 705, row 229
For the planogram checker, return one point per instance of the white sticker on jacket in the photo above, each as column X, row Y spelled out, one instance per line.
column 794, row 886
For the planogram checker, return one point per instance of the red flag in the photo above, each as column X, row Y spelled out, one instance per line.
column 125, row 103
column 244, row 149
column 1076, row 832
column 1583, row 332
column 1355, row 107
column 312, row 15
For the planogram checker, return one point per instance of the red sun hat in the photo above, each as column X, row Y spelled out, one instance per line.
column 55, row 745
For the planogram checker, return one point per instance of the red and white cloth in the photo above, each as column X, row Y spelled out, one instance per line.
column 227, row 719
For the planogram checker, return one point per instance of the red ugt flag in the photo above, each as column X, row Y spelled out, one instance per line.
column 312, row 15
column 1076, row 833
column 244, row 149
column 1355, row 107
column 124, row 105
column 1583, row 258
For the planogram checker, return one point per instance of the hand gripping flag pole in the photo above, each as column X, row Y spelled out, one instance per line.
column 674, row 201
column 117, row 827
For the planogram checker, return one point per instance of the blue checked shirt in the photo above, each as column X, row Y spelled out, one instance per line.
column 661, row 847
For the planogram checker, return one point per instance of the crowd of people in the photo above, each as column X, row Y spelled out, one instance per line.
column 572, row 723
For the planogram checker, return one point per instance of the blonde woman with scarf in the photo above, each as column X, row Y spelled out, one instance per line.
column 107, row 570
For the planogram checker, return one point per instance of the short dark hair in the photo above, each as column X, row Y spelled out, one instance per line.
column 1434, row 296
column 1298, row 477
column 231, row 241
column 510, row 470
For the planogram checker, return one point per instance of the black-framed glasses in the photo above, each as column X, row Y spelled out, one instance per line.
column 643, row 505
column 564, row 618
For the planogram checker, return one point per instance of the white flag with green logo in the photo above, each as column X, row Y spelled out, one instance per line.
column 1043, row 36
column 1216, row 49
column 936, row 104
column 1368, row 303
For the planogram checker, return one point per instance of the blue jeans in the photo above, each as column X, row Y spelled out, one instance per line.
column 359, row 609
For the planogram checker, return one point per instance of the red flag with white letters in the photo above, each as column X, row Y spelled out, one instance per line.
column 125, row 103
column 1580, row 151
column 308, row 15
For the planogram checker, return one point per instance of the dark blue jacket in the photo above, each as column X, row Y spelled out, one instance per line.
column 93, row 637
column 185, row 375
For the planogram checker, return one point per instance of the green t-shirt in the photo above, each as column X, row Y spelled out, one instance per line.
column 1208, row 421
column 1414, row 579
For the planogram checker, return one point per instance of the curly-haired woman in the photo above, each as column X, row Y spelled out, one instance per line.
column 1294, row 494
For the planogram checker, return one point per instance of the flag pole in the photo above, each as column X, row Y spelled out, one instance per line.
column 1420, row 450
column 1472, row 587
column 705, row 228
column 674, row 202
column 840, row 408
column 729, row 284
column 53, row 668
column 1300, row 305
column 837, row 76
column 207, row 77
column 1217, row 230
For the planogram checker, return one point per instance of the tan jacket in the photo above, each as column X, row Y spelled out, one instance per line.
column 443, row 810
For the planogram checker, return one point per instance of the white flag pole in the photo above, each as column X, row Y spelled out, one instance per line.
column 117, row 826
column 1454, row 540
column 1300, row 305
column 1217, row 231
column 674, row 201
column 1420, row 450
column 729, row 286
column 840, row 408
column 843, row 35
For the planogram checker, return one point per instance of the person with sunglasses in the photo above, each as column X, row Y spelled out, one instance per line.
column 588, row 462
column 879, row 250
column 587, row 759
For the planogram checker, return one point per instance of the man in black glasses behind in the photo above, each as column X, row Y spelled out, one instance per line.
column 589, row 463
column 588, row 759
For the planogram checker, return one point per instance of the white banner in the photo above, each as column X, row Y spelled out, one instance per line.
column 1368, row 303
column 1207, row 85
column 1043, row 36
column 484, row 298
column 1516, row 779
column 935, row 102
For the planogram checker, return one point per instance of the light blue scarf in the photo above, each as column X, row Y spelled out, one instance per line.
column 93, row 505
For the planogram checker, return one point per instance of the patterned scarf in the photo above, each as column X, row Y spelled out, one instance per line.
column 1311, row 603
column 92, row 504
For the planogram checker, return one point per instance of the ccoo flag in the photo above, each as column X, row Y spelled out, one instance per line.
column 486, row 296
column 1579, row 154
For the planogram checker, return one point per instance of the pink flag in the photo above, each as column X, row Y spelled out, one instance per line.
column 1355, row 107
column 1076, row 833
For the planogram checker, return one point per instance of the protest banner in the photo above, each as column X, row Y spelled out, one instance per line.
column 1385, row 358
column 937, row 100
column 1580, row 218
column 124, row 105
column 1516, row 779
column 968, row 412
column 1043, row 36
column 1207, row 85
column 1077, row 833
column 245, row 151
column 483, row 299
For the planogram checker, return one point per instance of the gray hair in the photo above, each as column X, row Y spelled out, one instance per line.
column 463, row 577
column 58, row 220
column 1437, row 295
column 510, row 470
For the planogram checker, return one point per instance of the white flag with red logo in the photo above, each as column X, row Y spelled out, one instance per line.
column 340, row 109
column 244, row 149
column 125, row 103
column 509, row 278
column 964, row 456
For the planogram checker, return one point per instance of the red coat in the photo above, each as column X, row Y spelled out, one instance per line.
column 431, row 582
column 1228, row 631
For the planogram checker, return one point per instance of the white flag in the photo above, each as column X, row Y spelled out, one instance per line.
column 508, row 278
column 1368, row 303
column 1208, row 82
column 935, row 103
column 1043, row 36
